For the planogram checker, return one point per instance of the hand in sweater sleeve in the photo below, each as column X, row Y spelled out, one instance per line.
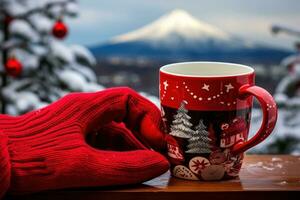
column 5, row 168
column 47, row 149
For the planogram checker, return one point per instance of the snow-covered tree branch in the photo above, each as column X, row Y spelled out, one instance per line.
column 50, row 69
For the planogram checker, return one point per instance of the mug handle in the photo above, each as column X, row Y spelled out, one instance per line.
column 269, row 109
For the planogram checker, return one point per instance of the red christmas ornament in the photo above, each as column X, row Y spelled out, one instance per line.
column 7, row 19
column 13, row 67
column 59, row 29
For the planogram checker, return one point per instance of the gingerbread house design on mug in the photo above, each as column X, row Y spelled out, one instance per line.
column 233, row 132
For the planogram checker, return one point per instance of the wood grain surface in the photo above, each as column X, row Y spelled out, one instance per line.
column 261, row 177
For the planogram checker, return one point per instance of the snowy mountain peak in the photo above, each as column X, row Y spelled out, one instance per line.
column 178, row 36
column 177, row 23
column 179, row 12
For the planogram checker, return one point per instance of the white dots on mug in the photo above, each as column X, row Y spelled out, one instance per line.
column 269, row 106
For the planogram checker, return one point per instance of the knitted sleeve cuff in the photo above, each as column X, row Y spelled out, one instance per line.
column 5, row 166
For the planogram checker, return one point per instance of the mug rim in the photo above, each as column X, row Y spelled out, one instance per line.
column 247, row 69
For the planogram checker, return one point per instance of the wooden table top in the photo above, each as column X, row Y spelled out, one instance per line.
column 261, row 177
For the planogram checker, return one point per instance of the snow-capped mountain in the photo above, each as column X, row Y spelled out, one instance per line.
column 179, row 36
column 174, row 26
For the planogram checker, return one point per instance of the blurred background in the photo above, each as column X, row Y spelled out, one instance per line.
column 49, row 48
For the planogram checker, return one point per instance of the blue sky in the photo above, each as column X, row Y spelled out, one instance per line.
column 100, row 20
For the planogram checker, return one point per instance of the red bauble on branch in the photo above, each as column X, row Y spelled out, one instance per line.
column 59, row 30
column 8, row 19
column 13, row 67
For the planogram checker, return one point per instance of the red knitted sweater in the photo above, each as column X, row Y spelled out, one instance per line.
column 46, row 149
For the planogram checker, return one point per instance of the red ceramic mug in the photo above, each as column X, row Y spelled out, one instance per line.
column 206, row 107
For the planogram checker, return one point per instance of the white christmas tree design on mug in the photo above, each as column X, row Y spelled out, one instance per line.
column 181, row 125
column 200, row 141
